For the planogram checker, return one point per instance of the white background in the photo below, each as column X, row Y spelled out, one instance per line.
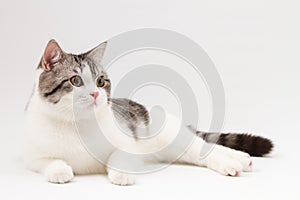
column 254, row 45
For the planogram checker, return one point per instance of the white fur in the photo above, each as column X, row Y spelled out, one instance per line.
column 54, row 148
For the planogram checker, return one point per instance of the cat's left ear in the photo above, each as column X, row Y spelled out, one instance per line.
column 97, row 53
column 53, row 54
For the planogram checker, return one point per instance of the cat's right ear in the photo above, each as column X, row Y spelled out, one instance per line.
column 53, row 54
column 97, row 53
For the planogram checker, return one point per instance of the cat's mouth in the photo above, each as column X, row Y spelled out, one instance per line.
column 85, row 102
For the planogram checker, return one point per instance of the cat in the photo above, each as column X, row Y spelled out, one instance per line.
column 53, row 146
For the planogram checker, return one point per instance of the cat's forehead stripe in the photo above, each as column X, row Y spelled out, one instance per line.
column 77, row 70
column 92, row 67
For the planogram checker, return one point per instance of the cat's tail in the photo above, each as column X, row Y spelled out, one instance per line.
column 254, row 145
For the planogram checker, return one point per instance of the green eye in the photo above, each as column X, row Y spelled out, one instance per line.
column 100, row 82
column 76, row 81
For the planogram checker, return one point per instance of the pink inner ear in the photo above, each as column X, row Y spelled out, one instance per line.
column 52, row 55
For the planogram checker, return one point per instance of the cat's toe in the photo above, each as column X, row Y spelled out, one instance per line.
column 119, row 178
column 247, row 165
column 235, row 173
column 246, row 162
column 232, row 168
column 59, row 174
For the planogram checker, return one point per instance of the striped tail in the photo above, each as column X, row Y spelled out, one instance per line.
column 254, row 145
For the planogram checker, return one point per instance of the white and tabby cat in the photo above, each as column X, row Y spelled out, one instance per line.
column 54, row 148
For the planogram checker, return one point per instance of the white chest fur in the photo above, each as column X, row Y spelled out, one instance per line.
column 49, row 137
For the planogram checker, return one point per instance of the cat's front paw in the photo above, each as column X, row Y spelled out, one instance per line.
column 59, row 172
column 119, row 178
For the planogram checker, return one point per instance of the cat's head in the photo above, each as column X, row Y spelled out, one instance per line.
column 66, row 79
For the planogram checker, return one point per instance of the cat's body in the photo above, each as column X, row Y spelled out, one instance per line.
column 68, row 84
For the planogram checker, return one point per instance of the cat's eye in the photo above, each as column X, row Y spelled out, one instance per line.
column 76, row 81
column 100, row 82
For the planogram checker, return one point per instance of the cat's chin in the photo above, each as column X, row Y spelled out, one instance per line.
column 84, row 113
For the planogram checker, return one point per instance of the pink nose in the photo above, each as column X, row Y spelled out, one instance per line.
column 94, row 94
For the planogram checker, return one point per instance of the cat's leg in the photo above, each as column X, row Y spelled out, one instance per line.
column 221, row 159
column 55, row 170
column 120, row 168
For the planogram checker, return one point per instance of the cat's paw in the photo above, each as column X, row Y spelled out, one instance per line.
column 246, row 163
column 59, row 172
column 243, row 158
column 119, row 178
column 226, row 165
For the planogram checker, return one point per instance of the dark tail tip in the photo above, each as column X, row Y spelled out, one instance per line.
column 259, row 146
column 252, row 144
